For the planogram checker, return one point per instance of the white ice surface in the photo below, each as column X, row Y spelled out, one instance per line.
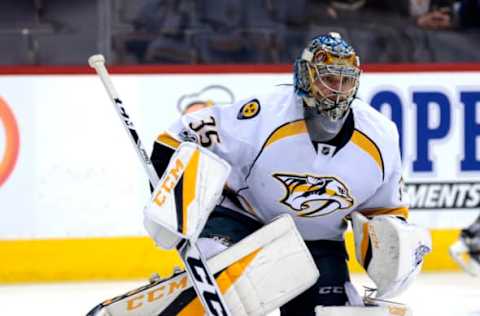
column 446, row 294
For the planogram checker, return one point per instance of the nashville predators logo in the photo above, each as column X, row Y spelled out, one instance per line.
column 312, row 196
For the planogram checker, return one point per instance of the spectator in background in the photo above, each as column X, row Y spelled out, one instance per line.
column 159, row 31
column 431, row 14
column 469, row 13
column 357, row 8
column 334, row 9
column 374, row 27
column 462, row 14
column 207, row 97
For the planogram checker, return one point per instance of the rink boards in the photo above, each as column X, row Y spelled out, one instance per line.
column 72, row 189
column 112, row 258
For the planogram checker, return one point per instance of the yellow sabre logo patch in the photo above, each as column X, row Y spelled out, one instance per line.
column 249, row 110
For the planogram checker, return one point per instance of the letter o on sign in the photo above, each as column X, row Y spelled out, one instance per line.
column 9, row 156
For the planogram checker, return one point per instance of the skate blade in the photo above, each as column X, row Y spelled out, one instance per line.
column 459, row 252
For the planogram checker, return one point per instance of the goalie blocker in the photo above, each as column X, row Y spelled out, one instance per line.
column 256, row 275
column 185, row 195
column 391, row 251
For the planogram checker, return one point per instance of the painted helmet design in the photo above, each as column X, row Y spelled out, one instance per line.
column 327, row 74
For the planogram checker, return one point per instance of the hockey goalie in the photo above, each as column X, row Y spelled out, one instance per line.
column 266, row 188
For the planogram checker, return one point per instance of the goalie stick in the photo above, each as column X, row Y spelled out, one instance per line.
column 201, row 278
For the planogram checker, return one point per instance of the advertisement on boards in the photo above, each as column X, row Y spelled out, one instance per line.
column 66, row 158
column 438, row 121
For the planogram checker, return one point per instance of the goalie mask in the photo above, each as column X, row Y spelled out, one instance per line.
column 326, row 75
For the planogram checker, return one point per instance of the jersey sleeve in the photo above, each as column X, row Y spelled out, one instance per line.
column 216, row 128
column 390, row 198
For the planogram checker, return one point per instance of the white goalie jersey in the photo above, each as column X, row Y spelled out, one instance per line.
column 277, row 169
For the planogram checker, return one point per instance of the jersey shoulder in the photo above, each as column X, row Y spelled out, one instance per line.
column 255, row 118
column 379, row 130
column 248, row 121
column 374, row 124
column 275, row 103
column 262, row 112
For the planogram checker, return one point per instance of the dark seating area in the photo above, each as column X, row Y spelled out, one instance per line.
column 56, row 32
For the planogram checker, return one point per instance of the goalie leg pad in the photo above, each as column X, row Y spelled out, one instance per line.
column 257, row 275
column 210, row 247
column 281, row 269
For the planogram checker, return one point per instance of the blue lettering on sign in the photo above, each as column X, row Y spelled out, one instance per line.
column 471, row 130
column 392, row 100
column 424, row 100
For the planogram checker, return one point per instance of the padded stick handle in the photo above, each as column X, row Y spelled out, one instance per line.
column 98, row 63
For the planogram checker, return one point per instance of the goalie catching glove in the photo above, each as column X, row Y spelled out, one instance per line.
column 391, row 251
column 185, row 195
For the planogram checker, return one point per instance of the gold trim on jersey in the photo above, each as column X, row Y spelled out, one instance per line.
column 369, row 146
column 168, row 141
column 398, row 211
column 289, row 129
column 285, row 130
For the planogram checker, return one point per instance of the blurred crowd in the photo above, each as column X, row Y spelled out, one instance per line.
column 274, row 31
column 237, row 31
